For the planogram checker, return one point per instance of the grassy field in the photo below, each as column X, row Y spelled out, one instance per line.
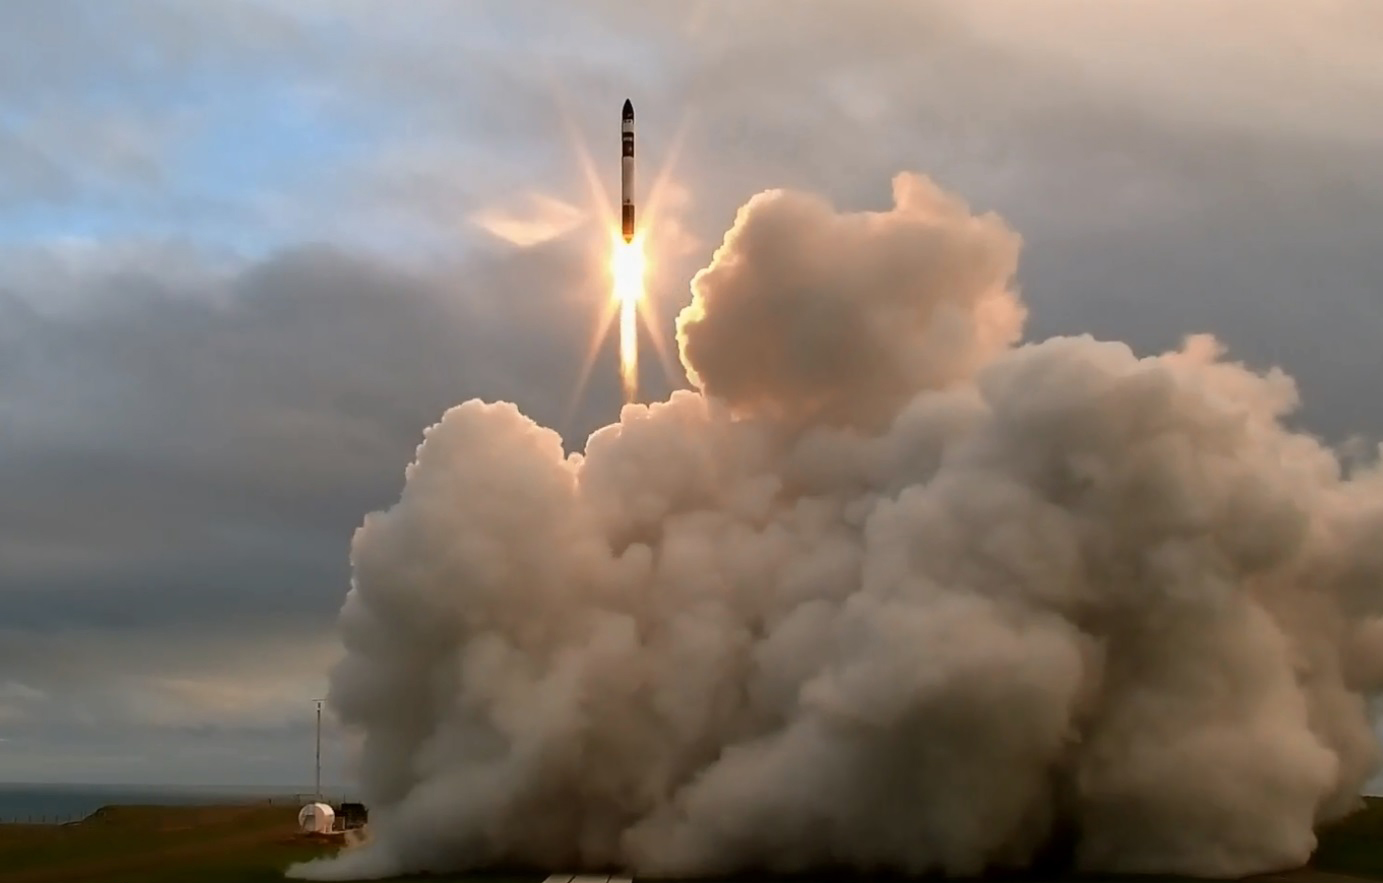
column 254, row 844
column 135, row 844
column 159, row 844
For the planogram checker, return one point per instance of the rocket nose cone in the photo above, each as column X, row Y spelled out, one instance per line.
column 628, row 109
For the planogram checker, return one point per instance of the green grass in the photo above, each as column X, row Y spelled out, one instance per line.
column 157, row 845
column 152, row 844
column 255, row 844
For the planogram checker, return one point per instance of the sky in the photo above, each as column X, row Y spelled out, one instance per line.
column 251, row 249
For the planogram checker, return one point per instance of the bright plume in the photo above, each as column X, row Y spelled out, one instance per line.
column 891, row 590
column 627, row 268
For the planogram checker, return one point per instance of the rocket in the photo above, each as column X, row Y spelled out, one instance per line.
column 626, row 167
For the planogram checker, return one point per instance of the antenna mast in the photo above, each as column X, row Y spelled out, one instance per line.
column 318, row 781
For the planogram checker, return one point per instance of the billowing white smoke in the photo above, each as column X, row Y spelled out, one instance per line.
column 891, row 592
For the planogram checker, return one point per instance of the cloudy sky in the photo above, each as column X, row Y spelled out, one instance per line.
column 250, row 249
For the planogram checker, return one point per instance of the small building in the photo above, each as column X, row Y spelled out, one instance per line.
column 353, row 815
column 316, row 818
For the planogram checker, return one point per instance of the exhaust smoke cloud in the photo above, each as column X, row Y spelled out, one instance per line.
column 892, row 591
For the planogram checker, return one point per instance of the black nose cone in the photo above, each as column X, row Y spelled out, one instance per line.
column 628, row 109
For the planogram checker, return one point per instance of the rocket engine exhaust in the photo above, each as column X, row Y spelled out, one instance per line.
column 890, row 589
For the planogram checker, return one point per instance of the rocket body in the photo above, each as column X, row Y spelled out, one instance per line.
column 626, row 168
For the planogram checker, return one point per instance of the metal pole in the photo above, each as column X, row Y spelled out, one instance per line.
column 319, row 750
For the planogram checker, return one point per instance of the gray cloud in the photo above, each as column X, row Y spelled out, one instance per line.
column 260, row 419
column 192, row 462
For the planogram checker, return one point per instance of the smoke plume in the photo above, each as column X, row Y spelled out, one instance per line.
column 893, row 591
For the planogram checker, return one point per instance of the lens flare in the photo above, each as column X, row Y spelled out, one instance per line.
column 627, row 267
column 632, row 302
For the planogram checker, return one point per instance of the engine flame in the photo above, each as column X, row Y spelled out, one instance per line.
column 627, row 267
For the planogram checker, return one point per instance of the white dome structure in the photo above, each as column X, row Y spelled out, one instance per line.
column 316, row 818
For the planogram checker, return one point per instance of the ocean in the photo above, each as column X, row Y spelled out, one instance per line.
column 57, row 804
